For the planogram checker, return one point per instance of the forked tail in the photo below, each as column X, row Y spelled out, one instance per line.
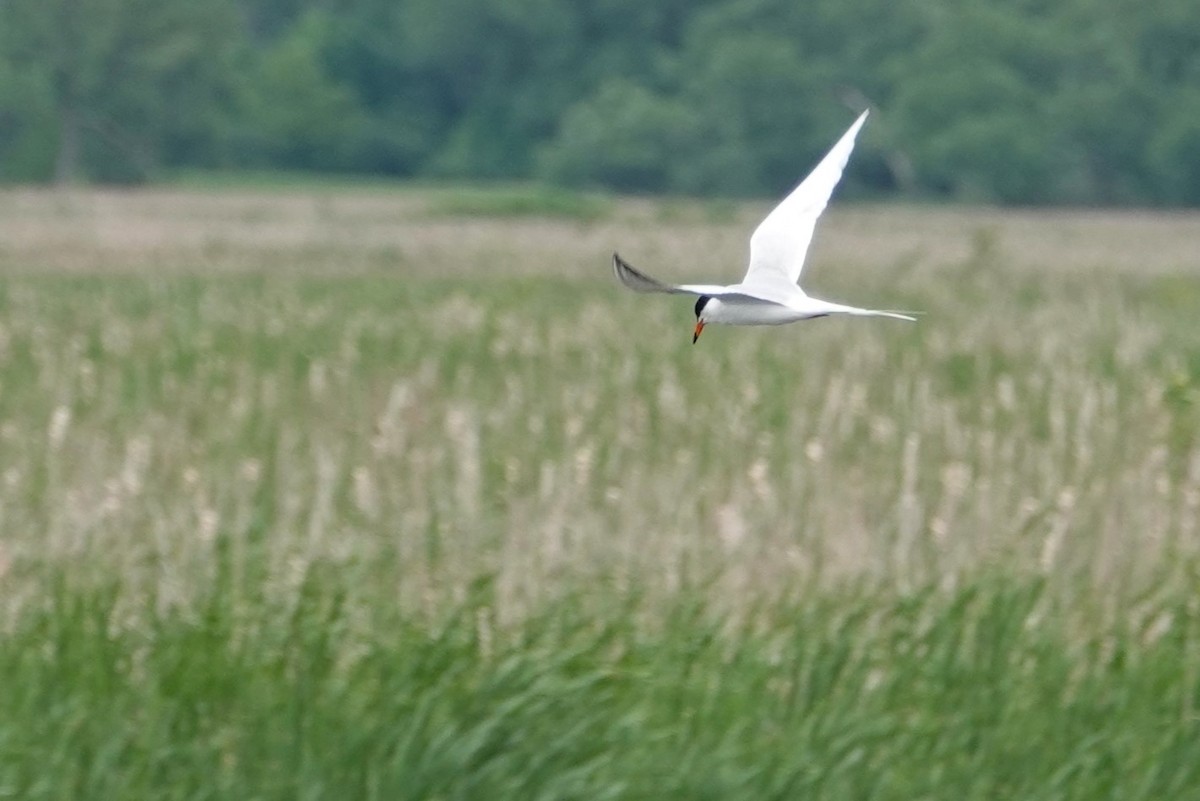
column 895, row 315
column 838, row 308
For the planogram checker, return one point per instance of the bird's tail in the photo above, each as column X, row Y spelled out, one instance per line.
column 838, row 308
column 895, row 315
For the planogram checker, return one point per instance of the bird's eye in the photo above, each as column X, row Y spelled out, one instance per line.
column 701, row 302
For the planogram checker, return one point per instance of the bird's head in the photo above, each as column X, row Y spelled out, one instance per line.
column 702, row 309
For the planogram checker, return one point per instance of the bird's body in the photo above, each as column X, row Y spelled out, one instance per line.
column 769, row 293
column 736, row 310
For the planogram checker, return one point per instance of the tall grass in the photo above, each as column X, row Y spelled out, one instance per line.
column 969, row 694
column 333, row 497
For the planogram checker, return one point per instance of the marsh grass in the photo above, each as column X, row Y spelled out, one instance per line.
column 518, row 201
column 326, row 496
column 963, row 694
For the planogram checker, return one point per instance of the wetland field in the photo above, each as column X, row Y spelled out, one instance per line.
column 325, row 492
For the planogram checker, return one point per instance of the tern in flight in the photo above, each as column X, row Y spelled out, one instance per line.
column 769, row 294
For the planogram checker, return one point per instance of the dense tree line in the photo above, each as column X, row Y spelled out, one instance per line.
column 1019, row 101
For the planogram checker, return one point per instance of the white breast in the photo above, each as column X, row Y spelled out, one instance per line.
column 750, row 311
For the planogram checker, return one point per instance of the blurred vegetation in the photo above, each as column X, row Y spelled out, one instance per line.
column 1011, row 101
column 518, row 201
column 970, row 693
column 326, row 488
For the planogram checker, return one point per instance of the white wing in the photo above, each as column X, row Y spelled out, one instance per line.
column 779, row 244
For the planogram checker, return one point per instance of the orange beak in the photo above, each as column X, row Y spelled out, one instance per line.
column 699, row 328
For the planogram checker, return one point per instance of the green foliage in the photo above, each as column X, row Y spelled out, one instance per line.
column 623, row 137
column 1010, row 102
column 128, row 83
column 739, row 85
column 518, row 201
column 1175, row 150
column 300, row 116
column 963, row 694
column 27, row 123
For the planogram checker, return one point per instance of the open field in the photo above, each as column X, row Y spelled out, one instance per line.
column 341, row 493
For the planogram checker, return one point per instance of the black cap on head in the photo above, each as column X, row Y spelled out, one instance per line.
column 700, row 303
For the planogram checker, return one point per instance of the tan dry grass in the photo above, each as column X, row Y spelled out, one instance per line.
column 550, row 437
column 327, row 229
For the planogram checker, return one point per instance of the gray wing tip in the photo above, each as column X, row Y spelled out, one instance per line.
column 621, row 268
column 635, row 279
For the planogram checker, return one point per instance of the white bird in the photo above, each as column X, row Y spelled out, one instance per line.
column 769, row 294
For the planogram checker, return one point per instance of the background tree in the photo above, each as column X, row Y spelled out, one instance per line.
column 292, row 110
column 1011, row 101
column 113, row 83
